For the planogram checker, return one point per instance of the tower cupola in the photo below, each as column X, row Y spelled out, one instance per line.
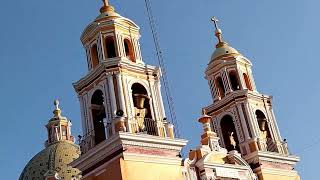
column 120, row 93
column 242, row 117
column 110, row 39
column 59, row 127
column 222, row 48
column 228, row 70
column 60, row 150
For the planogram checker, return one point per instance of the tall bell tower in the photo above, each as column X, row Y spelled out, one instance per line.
column 244, row 118
column 123, row 116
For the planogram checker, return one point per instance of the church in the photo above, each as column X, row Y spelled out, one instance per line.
column 126, row 132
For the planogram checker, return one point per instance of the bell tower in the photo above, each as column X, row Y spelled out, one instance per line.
column 123, row 116
column 244, row 118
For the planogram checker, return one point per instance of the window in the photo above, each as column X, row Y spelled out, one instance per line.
column 98, row 116
column 64, row 132
column 94, row 56
column 129, row 50
column 265, row 133
column 229, row 133
column 234, row 81
column 110, row 47
column 220, row 86
column 247, row 81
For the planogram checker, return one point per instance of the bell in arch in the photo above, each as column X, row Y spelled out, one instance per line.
column 139, row 100
column 263, row 124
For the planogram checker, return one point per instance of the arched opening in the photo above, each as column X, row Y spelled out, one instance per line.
column 98, row 116
column 247, row 81
column 94, row 56
column 221, row 89
column 234, row 80
column 264, row 130
column 110, row 47
column 142, row 110
column 64, row 132
column 229, row 133
column 129, row 50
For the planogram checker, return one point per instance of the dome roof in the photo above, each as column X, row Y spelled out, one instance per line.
column 222, row 48
column 53, row 159
column 223, row 51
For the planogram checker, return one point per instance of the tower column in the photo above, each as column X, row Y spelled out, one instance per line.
column 112, row 95
column 243, row 123
column 161, row 101
column 102, row 46
column 255, row 134
column 225, row 79
column 152, row 101
column 241, row 79
column 120, row 92
column 228, row 80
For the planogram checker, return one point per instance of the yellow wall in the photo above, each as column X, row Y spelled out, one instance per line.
column 290, row 175
column 150, row 171
column 112, row 172
column 119, row 169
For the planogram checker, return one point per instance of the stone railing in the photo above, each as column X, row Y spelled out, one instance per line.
column 146, row 126
column 139, row 126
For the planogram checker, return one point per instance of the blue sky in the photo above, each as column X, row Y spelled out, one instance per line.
column 41, row 56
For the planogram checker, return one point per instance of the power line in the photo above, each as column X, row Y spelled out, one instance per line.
column 161, row 62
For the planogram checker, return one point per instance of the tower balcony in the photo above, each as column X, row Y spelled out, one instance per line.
column 138, row 126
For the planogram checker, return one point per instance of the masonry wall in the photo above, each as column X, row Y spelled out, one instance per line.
column 273, row 174
column 133, row 170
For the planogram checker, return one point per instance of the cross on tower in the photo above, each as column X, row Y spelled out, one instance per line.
column 106, row 2
column 215, row 22
column 218, row 32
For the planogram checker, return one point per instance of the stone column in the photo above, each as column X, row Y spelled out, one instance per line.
column 121, row 94
column 243, row 123
column 112, row 95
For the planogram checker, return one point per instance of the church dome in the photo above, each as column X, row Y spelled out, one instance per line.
column 224, row 51
column 60, row 150
column 222, row 48
column 53, row 159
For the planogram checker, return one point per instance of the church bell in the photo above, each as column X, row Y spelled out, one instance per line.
column 262, row 124
column 139, row 100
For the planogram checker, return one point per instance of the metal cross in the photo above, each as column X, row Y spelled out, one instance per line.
column 215, row 22
column 106, row 2
column 56, row 104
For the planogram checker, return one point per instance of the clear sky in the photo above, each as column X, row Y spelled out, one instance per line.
column 41, row 56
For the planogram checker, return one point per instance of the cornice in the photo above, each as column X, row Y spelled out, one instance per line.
column 109, row 65
column 218, row 64
column 236, row 96
column 94, row 28
column 145, row 140
column 121, row 141
column 272, row 157
column 151, row 159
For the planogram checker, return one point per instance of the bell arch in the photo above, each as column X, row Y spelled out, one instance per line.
column 220, row 86
column 98, row 116
column 110, row 47
column 247, row 81
column 265, row 132
column 94, row 56
column 129, row 50
column 141, row 99
column 142, row 110
column 229, row 133
column 234, row 80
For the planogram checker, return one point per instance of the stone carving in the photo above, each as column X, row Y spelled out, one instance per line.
column 232, row 141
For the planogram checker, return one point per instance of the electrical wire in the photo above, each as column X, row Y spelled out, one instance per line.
column 161, row 62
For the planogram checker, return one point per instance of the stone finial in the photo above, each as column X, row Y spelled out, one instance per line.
column 218, row 32
column 57, row 110
column 56, row 104
column 106, row 8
